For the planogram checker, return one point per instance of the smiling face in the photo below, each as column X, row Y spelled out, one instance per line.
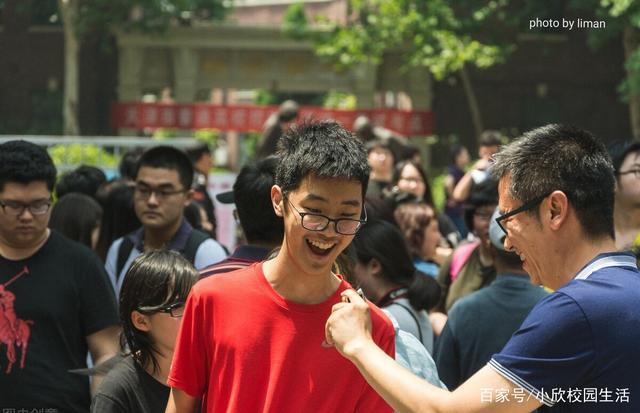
column 526, row 237
column 627, row 184
column 314, row 252
column 25, row 230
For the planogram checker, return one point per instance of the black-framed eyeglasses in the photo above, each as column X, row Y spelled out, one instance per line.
column 145, row 191
column 175, row 310
column 17, row 208
column 319, row 222
column 524, row 207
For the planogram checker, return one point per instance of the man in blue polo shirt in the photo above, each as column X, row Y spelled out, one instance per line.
column 577, row 349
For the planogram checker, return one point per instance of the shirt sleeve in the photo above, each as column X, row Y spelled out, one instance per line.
column 190, row 365
column 96, row 297
column 553, row 349
column 104, row 404
column 209, row 252
column 110, row 262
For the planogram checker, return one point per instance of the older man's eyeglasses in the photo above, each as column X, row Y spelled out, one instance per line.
column 17, row 208
column 525, row 207
column 319, row 222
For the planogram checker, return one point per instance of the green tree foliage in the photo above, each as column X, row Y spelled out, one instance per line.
column 145, row 15
column 430, row 34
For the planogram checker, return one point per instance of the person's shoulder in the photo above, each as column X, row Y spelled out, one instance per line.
column 124, row 378
column 470, row 303
column 225, row 281
column 379, row 319
column 69, row 249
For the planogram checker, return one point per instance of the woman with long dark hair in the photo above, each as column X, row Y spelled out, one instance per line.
column 152, row 299
column 385, row 271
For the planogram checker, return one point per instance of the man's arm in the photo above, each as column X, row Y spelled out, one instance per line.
column 181, row 402
column 348, row 328
column 103, row 345
column 463, row 188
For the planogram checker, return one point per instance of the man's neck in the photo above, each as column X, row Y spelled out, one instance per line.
column 293, row 284
column 627, row 225
column 15, row 253
column 578, row 254
column 164, row 365
column 159, row 238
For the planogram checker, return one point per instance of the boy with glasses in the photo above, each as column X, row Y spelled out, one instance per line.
column 253, row 340
column 162, row 191
column 55, row 300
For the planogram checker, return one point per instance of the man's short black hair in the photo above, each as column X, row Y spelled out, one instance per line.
column 129, row 163
column 490, row 138
column 167, row 157
column 568, row 159
column 195, row 153
column 252, row 196
column 323, row 149
column 84, row 179
column 25, row 162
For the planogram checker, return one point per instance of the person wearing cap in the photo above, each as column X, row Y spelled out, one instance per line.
column 480, row 324
column 577, row 350
column 263, row 230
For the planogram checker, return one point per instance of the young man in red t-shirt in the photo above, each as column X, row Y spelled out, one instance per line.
column 253, row 340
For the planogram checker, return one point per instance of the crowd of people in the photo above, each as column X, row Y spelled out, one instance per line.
column 519, row 285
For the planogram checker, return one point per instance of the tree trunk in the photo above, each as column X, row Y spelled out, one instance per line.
column 68, row 11
column 631, row 40
column 472, row 101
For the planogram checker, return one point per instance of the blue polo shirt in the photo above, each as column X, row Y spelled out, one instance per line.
column 577, row 351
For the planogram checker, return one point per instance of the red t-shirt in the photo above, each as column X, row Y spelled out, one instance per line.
column 244, row 348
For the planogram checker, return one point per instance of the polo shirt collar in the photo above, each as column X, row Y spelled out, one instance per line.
column 608, row 259
column 177, row 243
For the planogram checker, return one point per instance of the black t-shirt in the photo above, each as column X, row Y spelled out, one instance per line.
column 129, row 388
column 49, row 303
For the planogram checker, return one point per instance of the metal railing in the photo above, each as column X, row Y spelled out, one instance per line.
column 114, row 146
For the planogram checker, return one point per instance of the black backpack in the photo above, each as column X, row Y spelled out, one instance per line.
column 196, row 238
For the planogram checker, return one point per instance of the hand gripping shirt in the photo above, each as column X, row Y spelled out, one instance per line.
column 244, row 348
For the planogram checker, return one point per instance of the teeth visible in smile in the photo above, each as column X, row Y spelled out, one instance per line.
column 321, row 245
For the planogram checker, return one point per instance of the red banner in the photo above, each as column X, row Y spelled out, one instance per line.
column 249, row 118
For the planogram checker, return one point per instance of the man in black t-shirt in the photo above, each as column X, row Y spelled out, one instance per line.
column 55, row 299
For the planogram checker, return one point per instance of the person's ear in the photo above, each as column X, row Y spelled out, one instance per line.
column 140, row 321
column 188, row 197
column 277, row 200
column 375, row 268
column 558, row 209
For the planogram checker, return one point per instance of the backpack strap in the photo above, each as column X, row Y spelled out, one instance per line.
column 196, row 238
column 412, row 316
column 460, row 257
column 126, row 246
